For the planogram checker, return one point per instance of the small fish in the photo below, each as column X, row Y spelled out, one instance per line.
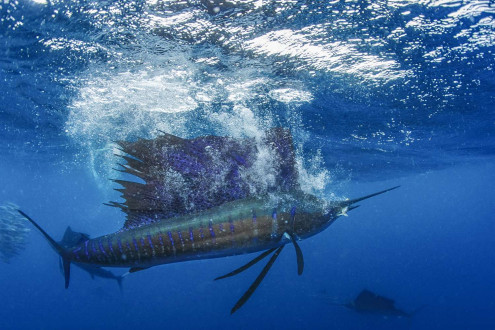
column 13, row 233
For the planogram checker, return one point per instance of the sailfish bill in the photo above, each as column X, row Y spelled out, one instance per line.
column 354, row 201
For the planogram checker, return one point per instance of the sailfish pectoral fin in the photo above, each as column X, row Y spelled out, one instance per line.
column 246, row 266
column 299, row 254
column 256, row 282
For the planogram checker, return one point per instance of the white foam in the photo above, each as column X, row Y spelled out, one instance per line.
column 314, row 177
column 291, row 95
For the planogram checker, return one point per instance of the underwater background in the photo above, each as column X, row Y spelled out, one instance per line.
column 375, row 93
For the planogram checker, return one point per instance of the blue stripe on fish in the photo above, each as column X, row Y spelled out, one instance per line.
column 292, row 217
column 100, row 245
column 119, row 243
column 210, row 226
column 191, row 234
column 149, row 241
column 293, row 212
column 160, row 237
column 135, row 244
column 109, row 240
column 76, row 252
column 170, row 238
column 180, row 237
column 274, row 223
column 231, row 222
column 86, row 249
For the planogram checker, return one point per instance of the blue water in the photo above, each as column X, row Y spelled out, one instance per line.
column 376, row 94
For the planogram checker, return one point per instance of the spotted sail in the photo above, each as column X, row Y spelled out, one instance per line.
column 182, row 176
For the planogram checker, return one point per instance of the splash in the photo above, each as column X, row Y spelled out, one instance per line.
column 13, row 232
column 167, row 85
column 126, row 105
column 146, row 100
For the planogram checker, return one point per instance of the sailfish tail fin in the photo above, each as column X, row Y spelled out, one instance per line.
column 56, row 246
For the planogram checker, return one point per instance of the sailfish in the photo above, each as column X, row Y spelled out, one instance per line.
column 204, row 198
column 372, row 303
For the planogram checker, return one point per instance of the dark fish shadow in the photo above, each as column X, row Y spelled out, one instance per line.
column 368, row 302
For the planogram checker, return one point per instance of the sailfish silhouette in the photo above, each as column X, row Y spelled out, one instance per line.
column 372, row 303
column 205, row 198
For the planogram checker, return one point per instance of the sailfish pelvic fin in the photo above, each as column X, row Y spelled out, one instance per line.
column 256, row 282
column 261, row 276
column 246, row 266
column 258, row 279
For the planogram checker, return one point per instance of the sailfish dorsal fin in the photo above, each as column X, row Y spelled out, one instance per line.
column 182, row 176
